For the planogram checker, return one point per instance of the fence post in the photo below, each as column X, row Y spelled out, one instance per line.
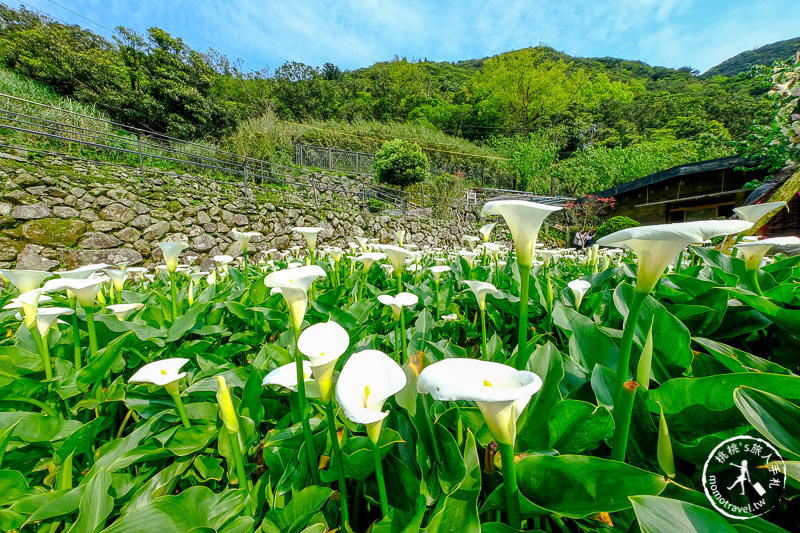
column 141, row 160
column 357, row 169
column 423, row 194
column 301, row 156
column 330, row 158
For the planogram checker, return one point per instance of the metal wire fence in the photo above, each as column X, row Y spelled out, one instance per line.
column 338, row 160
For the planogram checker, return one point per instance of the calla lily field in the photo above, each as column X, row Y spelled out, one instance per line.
column 392, row 388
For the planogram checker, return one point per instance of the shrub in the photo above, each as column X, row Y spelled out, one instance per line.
column 615, row 224
column 400, row 163
column 445, row 191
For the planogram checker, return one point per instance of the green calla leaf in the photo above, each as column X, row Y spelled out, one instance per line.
column 578, row 486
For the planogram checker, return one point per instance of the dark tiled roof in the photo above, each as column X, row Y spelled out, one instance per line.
column 700, row 167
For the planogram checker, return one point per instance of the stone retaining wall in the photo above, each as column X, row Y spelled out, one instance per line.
column 61, row 213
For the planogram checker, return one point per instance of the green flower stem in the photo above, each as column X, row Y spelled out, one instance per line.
column 549, row 301
column 483, row 331
column 496, row 271
column 361, row 282
column 524, row 288
column 124, row 423
column 233, row 439
column 37, row 339
column 76, row 335
column 622, row 419
column 623, row 409
column 397, row 342
column 437, row 299
column 376, row 451
column 174, row 294
column 48, row 363
column 752, row 275
column 337, row 452
column 176, row 396
column 301, row 403
column 403, row 336
column 510, row 485
column 90, row 326
column 399, row 282
column 246, row 270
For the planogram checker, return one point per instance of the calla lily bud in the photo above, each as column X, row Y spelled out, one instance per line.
column 226, row 410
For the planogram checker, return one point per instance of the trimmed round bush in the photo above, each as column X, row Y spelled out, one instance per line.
column 400, row 163
column 615, row 224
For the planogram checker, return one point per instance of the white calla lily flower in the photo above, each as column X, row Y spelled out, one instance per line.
column 657, row 246
column 85, row 290
column 471, row 241
column 47, row 316
column 481, row 289
column 500, row 391
column 171, row 252
column 579, row 288
column 323, row 344
column 469, row 257
column 368, row 258
column 25, row 280
column 82, row 272
column 161, row 372
column 367, row 380
column 286, row 376
column 486, row 230
column 30, row 305
column 244, row 237
column 438, row 270
column 396, row 256
column 117, row 278
column 754, row 213
column 403, row 299
column 310, row 234
column 294, row 284
column 524, row 219
column 121, row 311
column 753, row 252
column 547, row 256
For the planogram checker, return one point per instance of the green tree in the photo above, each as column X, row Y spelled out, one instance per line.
column 400, row 163
column 522, row 87
column 529, row 158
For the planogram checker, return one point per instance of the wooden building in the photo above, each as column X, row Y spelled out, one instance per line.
column 695, row 191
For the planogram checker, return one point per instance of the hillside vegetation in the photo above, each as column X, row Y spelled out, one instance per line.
column 549, row 122
column 765, row 55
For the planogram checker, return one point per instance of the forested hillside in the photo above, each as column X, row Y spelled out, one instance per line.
column 764, row 55
column 558, row 123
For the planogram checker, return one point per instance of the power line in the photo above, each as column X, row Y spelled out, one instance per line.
column 81, row 16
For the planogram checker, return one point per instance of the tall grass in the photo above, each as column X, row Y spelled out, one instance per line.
column 269, row 137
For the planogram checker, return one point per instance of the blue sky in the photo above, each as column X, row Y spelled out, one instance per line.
column 353, row 34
